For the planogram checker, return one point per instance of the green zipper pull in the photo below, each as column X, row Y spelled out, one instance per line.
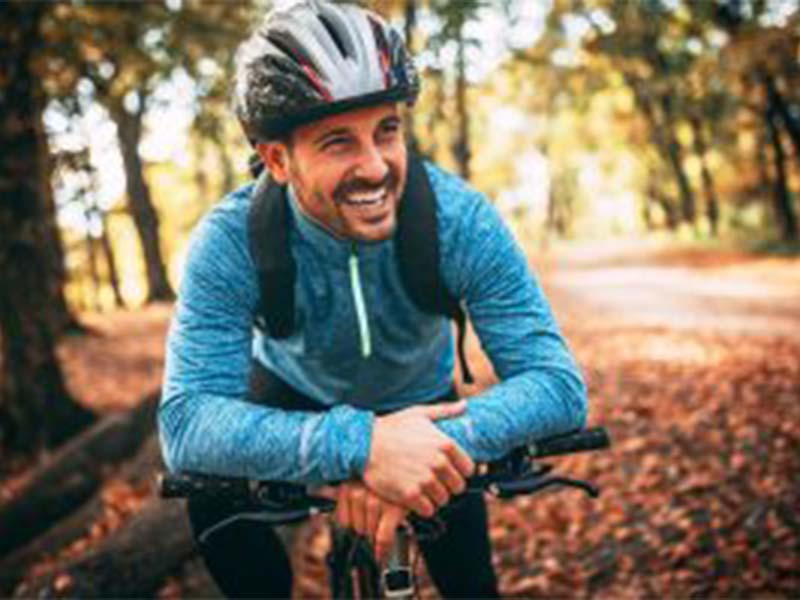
column 361, row 308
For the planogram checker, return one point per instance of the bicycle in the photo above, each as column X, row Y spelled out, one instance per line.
column 354, row 572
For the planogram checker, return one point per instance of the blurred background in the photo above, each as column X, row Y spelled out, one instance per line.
column 646, row 154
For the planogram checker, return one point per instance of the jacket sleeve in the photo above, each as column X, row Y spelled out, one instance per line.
column 541, row 391
column 205, row 424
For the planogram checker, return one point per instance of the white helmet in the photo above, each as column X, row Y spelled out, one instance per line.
column 314, row 59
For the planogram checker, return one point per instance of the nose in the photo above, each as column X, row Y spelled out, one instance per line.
column 372, row 165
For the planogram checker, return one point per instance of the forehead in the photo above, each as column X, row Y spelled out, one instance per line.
column 361, row 119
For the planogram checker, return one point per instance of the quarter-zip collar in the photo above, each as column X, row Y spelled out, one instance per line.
column 329, row 246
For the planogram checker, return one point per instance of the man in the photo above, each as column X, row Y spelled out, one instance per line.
column 358, row 388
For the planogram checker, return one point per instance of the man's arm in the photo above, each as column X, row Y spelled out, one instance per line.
column 541, row 391
column 204, row 423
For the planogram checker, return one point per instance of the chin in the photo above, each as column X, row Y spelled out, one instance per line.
column 378, row 233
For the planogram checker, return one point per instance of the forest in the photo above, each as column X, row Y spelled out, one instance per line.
column 646, row 155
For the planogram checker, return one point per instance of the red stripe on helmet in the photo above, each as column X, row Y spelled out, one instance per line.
column 326, row 94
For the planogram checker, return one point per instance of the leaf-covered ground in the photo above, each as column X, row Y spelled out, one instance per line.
column 693, row 364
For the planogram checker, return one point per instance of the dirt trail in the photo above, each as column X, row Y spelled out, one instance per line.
column 640, row 284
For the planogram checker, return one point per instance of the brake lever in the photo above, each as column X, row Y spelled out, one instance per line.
column 535, row 483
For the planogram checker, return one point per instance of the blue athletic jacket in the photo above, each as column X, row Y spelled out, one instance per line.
column 360, row 345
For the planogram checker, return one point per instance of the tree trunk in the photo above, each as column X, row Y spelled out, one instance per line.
column 666, row 143
column 228, row 178
column 131, row 563
column 94, row 272
column 72, row 475
column 410, row 26
column 675, row 154
column 781, row 108
column 136, row 473
column 63, row 319
column 111, row 265
column 782, row 198
column 461, row 147
column 436, row 114
column 35, row 407
column 712, row 203
column 140, row 203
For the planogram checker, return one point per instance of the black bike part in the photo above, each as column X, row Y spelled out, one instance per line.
column 186, row 485
column 288, row 497
column 351, row 566
column 537, row 483
column 587, row 440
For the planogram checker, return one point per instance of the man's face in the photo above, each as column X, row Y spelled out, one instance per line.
column 349, row 171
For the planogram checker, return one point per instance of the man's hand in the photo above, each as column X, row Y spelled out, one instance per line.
column 413, row 464
column 362, row 510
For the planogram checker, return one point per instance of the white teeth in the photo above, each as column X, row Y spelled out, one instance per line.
column 362, row 199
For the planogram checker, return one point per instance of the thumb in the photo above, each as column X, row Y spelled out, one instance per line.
column 445, row 410
column 326, row 491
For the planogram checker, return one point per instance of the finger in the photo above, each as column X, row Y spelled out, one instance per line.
column 343, row 510
column 450, row 477
column 460, row 459
column 373, row 514
column 325, row 491
column 437, row 493
column 444, row 410
column 421, row 505
column 387, row 528
column 358, row 510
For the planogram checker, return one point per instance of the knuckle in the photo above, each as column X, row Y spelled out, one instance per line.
column 441, row 463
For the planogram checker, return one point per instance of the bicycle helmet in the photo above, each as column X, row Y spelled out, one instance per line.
column 314, row 59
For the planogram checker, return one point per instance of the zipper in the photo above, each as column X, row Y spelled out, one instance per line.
column 361, row 307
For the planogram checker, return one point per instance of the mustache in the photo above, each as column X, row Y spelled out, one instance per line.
column 358, row 184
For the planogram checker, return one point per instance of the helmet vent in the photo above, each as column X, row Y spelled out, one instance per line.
column 284, row 44
column 334, row 36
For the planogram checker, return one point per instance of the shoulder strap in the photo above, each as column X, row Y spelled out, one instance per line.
column 417, row 243
column 268, row 229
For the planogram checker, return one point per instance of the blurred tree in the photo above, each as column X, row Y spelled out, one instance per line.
column 763, row 53
column 127, row 52
column 454, row 16
column 644, row 46
column 77, row 168
column 35, row 407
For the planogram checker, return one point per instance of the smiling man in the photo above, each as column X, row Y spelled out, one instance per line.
column 347, row 171
column 312, row 339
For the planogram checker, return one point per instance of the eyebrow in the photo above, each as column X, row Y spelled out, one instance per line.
column 391, row 119
column 332, row 133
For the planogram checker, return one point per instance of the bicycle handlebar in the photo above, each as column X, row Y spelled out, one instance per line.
column 510, row 476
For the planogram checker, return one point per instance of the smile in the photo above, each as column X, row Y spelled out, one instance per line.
column 374, row 198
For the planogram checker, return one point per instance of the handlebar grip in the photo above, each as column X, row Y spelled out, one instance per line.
column 185, row 485
column 596, row 438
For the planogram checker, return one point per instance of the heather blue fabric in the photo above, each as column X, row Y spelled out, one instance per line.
column 206, row 425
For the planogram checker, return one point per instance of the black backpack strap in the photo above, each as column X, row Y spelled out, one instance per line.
column 417, row 243
column 268, row 230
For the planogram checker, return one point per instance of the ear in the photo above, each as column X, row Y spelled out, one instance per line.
column 275, row 156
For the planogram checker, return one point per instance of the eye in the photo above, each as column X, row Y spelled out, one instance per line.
column 335, row 144
column 390, row 129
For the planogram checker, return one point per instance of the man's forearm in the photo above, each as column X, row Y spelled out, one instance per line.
column 225, row 436
column 529, row 406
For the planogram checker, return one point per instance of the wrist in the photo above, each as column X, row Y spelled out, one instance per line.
column 349, row 441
